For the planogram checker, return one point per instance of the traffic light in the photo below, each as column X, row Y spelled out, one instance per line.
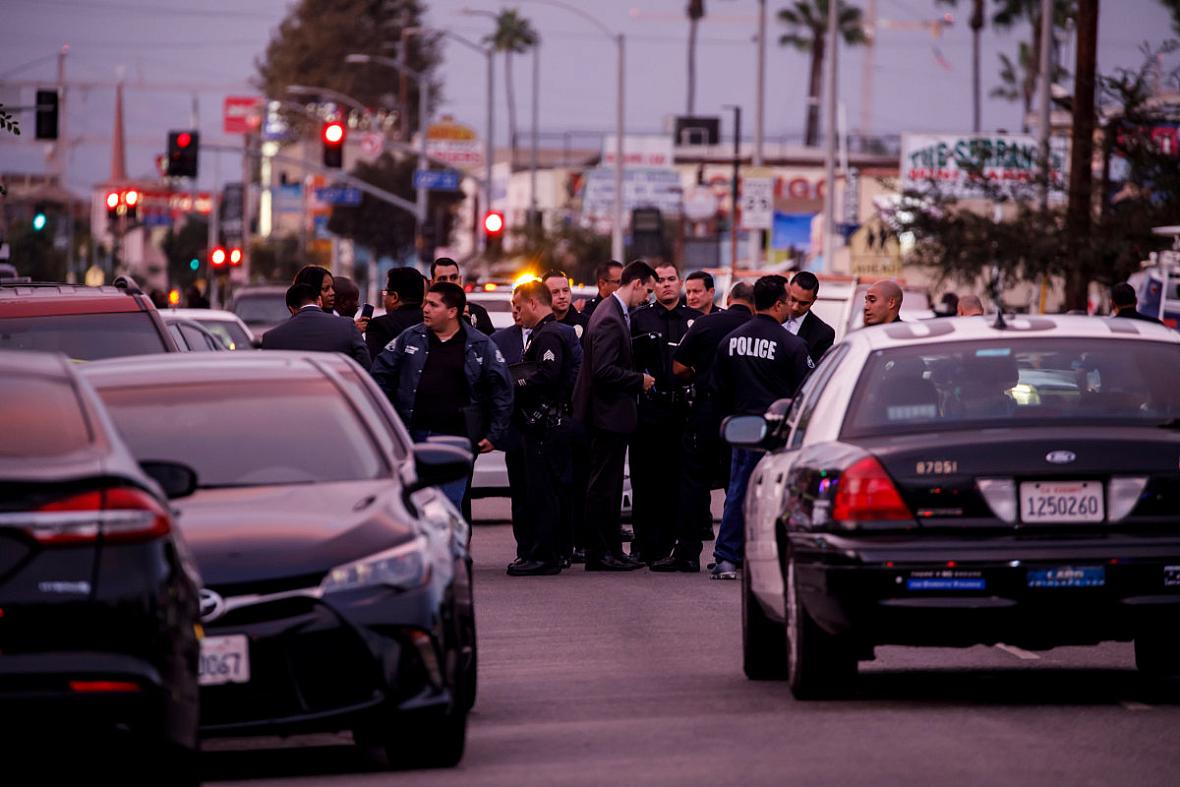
column 194, row 264
column 40, row 219
column 131, row 202
column 333, row 138
column 112, row 203
column 47, row 109
column 217, row 258
column 183, row 148
column 235, row 257
column 493, row 231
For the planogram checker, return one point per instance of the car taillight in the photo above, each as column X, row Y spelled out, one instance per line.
column 120, row 514
column 866, row 494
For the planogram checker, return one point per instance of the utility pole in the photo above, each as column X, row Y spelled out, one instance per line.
column 1082, row 147
column 733, row 190
column 868, row 66
column 829, row 246
column 61, row 160
column 533, row 147
column 760, row 89
column 976, row 98
column 1046, row 78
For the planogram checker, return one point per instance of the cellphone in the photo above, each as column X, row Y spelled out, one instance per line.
column 367, row 310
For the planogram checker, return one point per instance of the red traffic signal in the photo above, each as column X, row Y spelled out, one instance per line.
column 131, row 198
column 332, row 136
column 493, row 223
column 183, row 140
column 217, row 257
column 333, row 132
column 235, row 257
column 112, row 203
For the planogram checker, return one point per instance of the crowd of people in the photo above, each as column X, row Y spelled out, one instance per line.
column 571, row 395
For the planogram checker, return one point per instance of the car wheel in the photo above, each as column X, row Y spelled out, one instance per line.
column 419, row 741
column 819, row 666
column 471, row 669
column 764, row 642
column 1157, row 654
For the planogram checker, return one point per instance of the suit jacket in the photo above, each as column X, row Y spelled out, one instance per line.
column 1135, row 314
column 607, row 385
column 312, row 329
column 510, row 340
column 384, row 329
column 818, row 334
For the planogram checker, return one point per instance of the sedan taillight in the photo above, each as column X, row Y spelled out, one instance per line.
column 119, row 514
column 866, row 493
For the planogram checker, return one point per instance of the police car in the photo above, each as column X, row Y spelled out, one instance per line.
column 963, row 481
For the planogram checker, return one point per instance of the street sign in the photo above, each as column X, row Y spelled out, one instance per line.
column 700, row 204
column 436, row 179
column 757, row 202
column 242, row 114
column 372, row 143
column 338, row 195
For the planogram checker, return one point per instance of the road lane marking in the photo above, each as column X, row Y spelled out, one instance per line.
column 1019, row 653
column 1130, row 705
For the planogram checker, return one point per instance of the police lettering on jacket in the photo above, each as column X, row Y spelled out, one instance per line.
column 757, row 364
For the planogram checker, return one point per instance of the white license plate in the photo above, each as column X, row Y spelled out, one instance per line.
column 224, row 660
column 1061, row 501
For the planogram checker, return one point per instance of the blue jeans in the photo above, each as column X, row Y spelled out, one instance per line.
column 731, row 537
column 455, row 490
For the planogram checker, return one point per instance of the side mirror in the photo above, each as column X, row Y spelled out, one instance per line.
column 745, row 431
column 175, row 479
column 437, row 463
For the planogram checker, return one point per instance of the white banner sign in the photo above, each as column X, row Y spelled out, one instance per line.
column 971, row 165
column 643, row 187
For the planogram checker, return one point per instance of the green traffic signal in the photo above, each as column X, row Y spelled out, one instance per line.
column 39, row 221
column 194, row 263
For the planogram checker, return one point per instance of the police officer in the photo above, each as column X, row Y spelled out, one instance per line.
column 656, row 330
column 543, row 381
column 562, row 297
column 703, row 449
column 756, row 365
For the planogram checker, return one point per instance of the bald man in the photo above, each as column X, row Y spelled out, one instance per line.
column 970, row 306
column 883, row 303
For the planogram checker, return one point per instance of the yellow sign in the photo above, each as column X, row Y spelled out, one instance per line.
column 875, row 251
column 447, row 128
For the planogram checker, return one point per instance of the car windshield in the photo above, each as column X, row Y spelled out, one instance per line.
column 248, row 433
column 262, row 308
column 50, row 422
column 1028, row 380
column 86, row 337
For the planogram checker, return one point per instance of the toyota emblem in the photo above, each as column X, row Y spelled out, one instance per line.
column 212, row 605
column 1060, row 457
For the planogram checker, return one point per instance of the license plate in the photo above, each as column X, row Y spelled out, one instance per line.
column 1067, row 577
column 1061, row 501
column 224, row 660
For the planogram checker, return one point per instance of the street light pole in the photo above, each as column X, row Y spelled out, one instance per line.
column 1046, row 90
column 760, row 89
column 829, row 246
column 733, row 190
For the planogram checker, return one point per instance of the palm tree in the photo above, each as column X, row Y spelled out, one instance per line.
column 1019, row 77
column 808, row 20
column 514, row 35
column 695, row 10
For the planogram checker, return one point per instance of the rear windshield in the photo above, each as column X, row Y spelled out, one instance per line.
column 87, row 337
column 248, row 433
column 1009, row 383
column 49, row 420
column 262, row 309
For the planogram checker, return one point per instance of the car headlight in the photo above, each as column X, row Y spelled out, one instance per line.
column 403, row 567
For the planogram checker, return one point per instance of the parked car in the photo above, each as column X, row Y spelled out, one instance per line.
column 190, row 335
column 961, row 483
column 261, row 306
column 225, row 325
column 99, row 636
column 84, row 323
column 337, row 578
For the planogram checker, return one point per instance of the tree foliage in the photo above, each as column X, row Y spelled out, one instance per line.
column 189, row 242
column 310, row 45
column 967, row 240
column 380, row 226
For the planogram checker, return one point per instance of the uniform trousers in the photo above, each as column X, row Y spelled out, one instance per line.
column 695, row 512
column 655, row 486
column 547, row 474
column 604, row 493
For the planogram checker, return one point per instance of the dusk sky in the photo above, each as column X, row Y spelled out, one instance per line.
column 207, row 50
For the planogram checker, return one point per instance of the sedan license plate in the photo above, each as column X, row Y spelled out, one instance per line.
column 1061, row 501
column 1067, row 577
column 224, row 660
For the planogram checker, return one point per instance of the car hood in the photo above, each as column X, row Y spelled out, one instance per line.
column 271, row 538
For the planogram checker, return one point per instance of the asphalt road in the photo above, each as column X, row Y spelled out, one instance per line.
column 636, row 679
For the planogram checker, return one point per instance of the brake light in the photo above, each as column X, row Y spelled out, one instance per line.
column 866, row 494
column 102, row 686
column 120, row 514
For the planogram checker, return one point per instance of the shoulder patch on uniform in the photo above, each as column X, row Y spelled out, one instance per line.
column 578, row 331
column 500, row 356
column 810, row 363
column 548, row 356
column 690, row 322
column 410, row 348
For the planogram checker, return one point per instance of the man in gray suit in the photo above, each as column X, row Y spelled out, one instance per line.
column 605, row 403
column 310, row 328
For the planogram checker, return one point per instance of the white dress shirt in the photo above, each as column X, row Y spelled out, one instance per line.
column 793, row 324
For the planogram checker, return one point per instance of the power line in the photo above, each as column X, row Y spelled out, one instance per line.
column 148, row 9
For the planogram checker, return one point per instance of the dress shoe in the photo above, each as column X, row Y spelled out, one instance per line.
column 578, row 556
column 611, row 563
column 673, row 564
column 533, row 568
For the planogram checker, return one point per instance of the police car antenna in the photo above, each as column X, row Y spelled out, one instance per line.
column 999, row 324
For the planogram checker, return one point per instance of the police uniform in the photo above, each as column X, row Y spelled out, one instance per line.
column 576, row 320
column 655, row 447
column 705, row 457
column 543, row 382
column 756, row 365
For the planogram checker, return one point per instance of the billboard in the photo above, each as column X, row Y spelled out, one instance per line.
column 980, row 166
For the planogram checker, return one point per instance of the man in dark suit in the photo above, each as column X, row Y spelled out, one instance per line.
column 605, row 402
column 446, row 269
column 805, row 324
column 404, row 289
column 311, row 328
column 1126, row 303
